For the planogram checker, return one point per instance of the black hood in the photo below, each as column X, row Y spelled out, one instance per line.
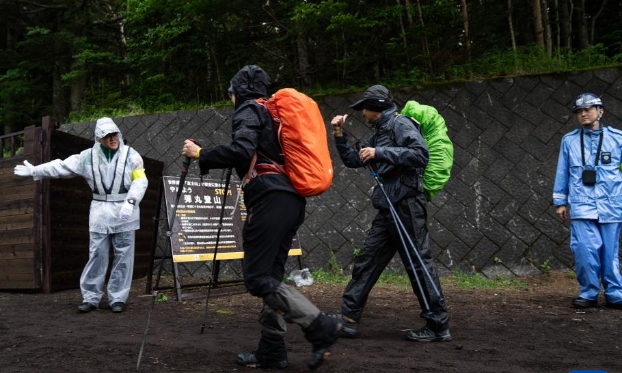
column 250, row 83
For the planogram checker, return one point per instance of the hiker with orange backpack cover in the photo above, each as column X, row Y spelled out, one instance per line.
column 275, row 211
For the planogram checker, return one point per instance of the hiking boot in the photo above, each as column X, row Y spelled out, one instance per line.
column 86, row 307
column 584, row 303
column 426, row 334
column 249, row 360
column 322, row 333
column 349, row 328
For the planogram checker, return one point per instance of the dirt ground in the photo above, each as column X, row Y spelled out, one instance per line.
column 532, row 329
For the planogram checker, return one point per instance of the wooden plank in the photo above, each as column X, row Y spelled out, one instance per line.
column 20, row 276
column 9, row 208
column 13, row 222
column 10, row 180
column 17, row 192
column 17, row 236
column 13, row 283
column 16, row 265
column 21, row 251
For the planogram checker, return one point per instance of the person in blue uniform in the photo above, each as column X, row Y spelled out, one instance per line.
column 588, row 191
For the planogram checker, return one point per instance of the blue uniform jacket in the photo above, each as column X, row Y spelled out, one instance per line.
column 602, row 201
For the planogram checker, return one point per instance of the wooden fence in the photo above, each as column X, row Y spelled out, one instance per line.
column 44, row 234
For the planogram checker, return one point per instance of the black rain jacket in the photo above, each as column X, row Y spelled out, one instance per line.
column 401, row 152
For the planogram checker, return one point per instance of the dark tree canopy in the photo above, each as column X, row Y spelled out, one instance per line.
column 70, row 57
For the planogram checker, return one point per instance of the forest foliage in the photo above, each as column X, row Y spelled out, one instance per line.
column 76, row 59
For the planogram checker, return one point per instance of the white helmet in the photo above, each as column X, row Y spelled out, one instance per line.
column 586, row 101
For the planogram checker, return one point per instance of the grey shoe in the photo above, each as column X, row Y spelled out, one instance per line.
column 349, row 328
column 86, row 307
column 426, row 334
column 118, row 307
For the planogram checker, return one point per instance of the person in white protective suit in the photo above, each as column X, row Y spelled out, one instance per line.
column 589, row 180
column 116, row 174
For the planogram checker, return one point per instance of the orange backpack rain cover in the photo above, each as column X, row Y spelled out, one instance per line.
column 302, row 134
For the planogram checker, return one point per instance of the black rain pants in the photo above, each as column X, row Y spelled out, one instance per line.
column 379, row 248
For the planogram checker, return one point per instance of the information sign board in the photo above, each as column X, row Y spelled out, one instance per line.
column 195, row 230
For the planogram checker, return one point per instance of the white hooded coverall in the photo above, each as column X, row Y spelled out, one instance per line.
column 105, row 225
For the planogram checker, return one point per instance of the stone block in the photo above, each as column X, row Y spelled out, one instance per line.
column 482, row 253
column 523, row 230
column 534, row 208
column 493, row 230
column 489, row 190
column 509, row 149
column 499, row 170
column 450, row 211
column 516, row 187
column 495, row 271
column 466, row 232
column 454, row 254
column 472, row 171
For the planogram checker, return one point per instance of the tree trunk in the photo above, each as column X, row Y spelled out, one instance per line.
column 565, row 21
column 424, row 39
column 511, row 26
column 584, row 41
column 59, row 100
column 303, row 60
column 76, row 92
column 548, row 38
column 409, row 13
column 465, row 25
column 537, row 23
column 403, row 31
column 59, row 96
column 594, row 18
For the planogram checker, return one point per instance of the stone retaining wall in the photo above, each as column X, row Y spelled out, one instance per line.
column 495, row 215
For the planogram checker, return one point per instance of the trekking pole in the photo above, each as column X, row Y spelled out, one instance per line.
column 374, row 174
column 222, row 213
column 154, row 293
column 403, row 232
column 414, row 247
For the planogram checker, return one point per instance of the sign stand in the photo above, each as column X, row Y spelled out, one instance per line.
column 193, row 236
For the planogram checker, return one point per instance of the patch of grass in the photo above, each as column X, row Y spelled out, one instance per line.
column 394, row 278
column 460, row 279
column 329, row 277
column 477, row 281
column 224, row 312
column 388, row 277
column 569, row 274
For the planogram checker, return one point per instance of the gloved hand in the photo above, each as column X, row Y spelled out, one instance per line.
column 126, row 210
column 26, row 170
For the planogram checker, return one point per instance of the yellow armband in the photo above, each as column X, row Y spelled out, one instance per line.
column 196, row 156
column 138, row 173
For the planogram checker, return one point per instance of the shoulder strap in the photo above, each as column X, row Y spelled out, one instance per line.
column 392, row 126
column 416, row 123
